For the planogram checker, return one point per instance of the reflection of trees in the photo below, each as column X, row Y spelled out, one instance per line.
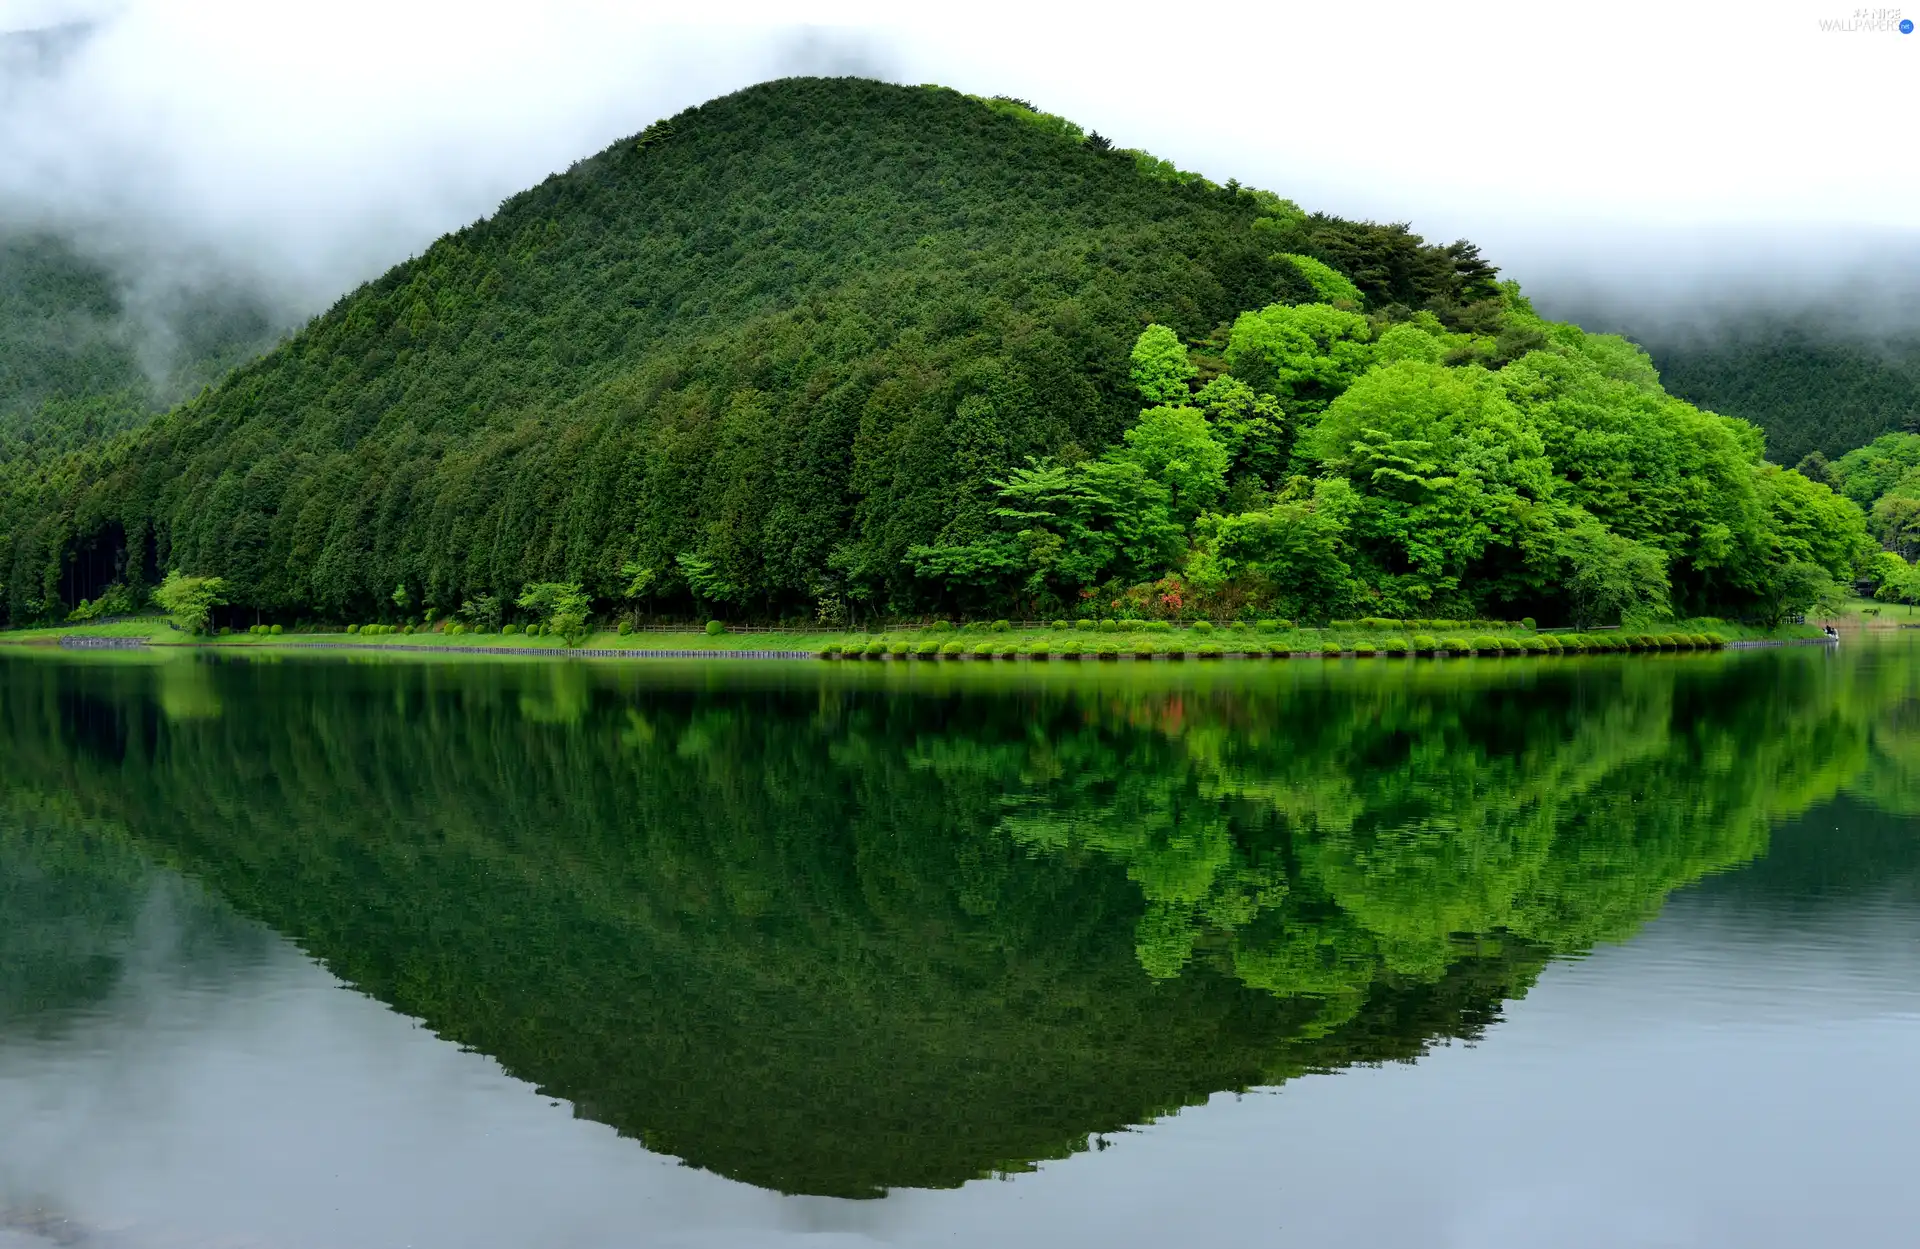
column 827, row 937
column 1313, row 837
column 79, row 909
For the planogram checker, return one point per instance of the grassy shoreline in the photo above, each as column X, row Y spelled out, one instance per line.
column 929, row 643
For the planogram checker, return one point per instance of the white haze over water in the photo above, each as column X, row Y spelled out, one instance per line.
column 1660, row 155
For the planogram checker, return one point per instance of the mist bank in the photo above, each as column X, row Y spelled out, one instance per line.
column 1809, row 333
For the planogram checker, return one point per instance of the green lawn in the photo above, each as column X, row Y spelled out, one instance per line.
column 158, row 632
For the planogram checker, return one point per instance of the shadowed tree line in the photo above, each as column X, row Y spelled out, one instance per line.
column 826, row 348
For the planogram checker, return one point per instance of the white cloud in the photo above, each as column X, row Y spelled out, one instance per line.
column 311, row 145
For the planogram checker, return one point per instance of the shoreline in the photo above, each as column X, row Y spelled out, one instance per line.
column 84, row 642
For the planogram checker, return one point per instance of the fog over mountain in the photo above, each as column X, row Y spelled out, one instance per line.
column 1680, row 175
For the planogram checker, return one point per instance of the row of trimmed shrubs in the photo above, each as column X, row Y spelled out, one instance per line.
column 714, row 628
column 452, row 630
column 1133, row 625
column 1420, row 644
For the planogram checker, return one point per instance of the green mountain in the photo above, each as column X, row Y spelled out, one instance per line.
column 826, row 347
column 77, row 364
column 1809, row 386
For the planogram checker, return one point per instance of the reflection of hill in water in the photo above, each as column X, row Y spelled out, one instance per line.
column 79, row 907
column 821, row 933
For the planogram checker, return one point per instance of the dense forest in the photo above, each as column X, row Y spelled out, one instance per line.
column 830, row 348
column 1883, row 479
column 82, row 359
column 821, row 932
column 1809, row 383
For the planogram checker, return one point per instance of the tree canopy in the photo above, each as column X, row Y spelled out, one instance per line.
column 828, row 342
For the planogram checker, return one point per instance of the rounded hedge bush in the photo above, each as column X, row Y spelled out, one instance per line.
column 1083, row 625
column 715, row 628
column 983, row 648
column 927, row 647
column 1425, row 643
column 1070, row 648
column 1060, row 624
column 1330, row 651
column 1485, row 644
column 1210, row 650
column 1202, row 627
column 1395, row 648
column 1040, row 649
column 953, row 648
column 625, row 628
column 1456, row 645
column 1002, row 626
column 1363, row 649
column 1109, row 626
column 898, row 648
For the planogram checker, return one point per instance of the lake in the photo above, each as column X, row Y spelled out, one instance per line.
column 303, row 951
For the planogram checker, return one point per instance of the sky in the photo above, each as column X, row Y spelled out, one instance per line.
column 1689, row 156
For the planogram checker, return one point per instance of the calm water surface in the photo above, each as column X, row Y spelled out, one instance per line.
column 315, row 953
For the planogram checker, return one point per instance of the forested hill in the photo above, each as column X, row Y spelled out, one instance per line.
column 1811, row 386
column 77, row 363
column 829, row 345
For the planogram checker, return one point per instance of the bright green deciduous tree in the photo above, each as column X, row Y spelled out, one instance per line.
column 1331, row 285
column 1451, row 478
column 190, row 601
column 1177, row 447
column 1611, row 578
column 1305, row 354
column 1800, row 587
column 1896, row 521
column 1409, row 342
column 1293, row 553
column 561, row 606
column 1160, row 366
column 1252, row 428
